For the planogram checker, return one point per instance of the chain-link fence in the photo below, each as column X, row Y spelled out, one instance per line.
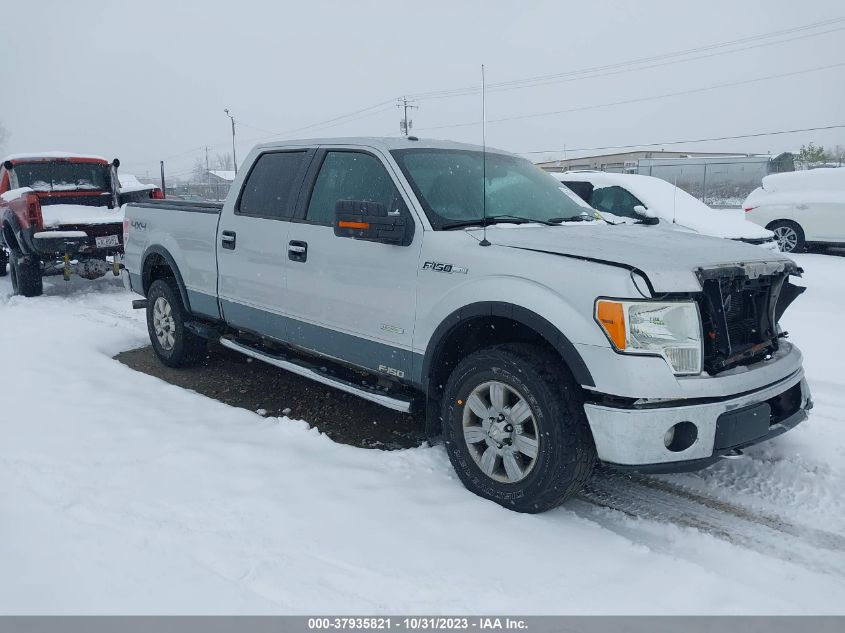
column 719, row 182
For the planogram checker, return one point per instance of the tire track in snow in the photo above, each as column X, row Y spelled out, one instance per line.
column 613, row 499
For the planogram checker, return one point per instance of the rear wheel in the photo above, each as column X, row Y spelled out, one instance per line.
column 4, row 259
column 789, row 236
column 515, row 429
column 26, row 277
column 173, row 343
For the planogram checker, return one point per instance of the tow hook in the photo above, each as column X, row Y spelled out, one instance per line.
column 733, row 454
column 66, row 269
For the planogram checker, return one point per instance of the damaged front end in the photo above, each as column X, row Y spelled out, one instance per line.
column 740, row 308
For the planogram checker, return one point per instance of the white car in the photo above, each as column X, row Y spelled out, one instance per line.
column 801, row 207
column 618, row 198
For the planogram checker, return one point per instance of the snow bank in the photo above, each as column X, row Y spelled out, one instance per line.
column 671, row 203
column 120, row 493
column 64, row 214
column 808, row 180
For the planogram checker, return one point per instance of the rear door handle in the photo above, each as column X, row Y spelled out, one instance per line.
column 227, row 240
column 297, row 251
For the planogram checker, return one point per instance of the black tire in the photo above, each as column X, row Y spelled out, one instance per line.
column 565, row 453
column 784, row 228
column 4, row 259
column 26, row 277
column 187, row 348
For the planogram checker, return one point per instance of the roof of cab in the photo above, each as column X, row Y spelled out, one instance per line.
column 384, row 143
column 54, row 155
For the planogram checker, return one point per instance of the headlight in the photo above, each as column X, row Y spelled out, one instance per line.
column 671, row 329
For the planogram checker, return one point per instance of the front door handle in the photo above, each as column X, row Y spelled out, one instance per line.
column 227, row 240
column 297, row 251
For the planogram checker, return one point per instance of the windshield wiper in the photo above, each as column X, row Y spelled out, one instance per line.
column 575, row 218
column 495, row 219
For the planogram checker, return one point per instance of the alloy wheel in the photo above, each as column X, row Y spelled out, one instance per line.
column 164, row 324
column 500, row 432
column 787, row 238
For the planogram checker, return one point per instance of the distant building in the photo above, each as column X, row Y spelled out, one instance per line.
column 219, row 183
column 621, row 162
column 716, row 178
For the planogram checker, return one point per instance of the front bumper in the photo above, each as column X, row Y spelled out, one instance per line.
column 635, row 436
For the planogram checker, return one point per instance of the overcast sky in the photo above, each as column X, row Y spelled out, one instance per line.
column 148, row 80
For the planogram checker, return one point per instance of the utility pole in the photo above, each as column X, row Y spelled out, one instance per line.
column 163, row 190
column 405, row 124
column 207, row 174
column 234, row 155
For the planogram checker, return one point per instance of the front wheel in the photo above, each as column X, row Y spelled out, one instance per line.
column 515, row 428
column 789, row 236
column 173, row 343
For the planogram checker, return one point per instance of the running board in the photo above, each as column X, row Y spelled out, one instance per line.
column 397, row 404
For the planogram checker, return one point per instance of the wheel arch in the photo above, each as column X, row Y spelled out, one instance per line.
column 443, row 353
column 9, row 231
column 156, row 261
column 784, row 221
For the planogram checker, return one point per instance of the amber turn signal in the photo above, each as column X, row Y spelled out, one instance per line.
column 611, row 317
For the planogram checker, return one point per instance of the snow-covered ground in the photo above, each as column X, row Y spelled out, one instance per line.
column 120, row 493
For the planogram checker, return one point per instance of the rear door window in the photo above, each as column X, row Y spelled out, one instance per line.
column 272, row 185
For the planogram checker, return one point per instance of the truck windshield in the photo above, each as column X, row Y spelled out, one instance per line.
column 448, row 184
column 63, row 176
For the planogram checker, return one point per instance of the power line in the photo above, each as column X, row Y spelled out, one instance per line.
column 640, row 99
column 574, row 75
column 695, row 140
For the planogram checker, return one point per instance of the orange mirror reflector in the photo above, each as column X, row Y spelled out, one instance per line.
column 345, row 224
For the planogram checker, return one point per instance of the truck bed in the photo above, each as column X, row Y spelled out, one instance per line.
column 183, row 232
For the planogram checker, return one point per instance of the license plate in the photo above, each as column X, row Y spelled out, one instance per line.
column 106, row 240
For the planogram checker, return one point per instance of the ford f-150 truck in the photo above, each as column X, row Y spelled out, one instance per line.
column 539, row 338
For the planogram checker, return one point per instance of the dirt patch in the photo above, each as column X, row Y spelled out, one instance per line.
column 243, row 382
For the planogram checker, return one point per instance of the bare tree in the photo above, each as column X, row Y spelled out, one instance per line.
column 198, row 171
column 837, row 154
column 224, row 162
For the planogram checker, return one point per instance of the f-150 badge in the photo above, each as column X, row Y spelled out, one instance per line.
column 440, row 267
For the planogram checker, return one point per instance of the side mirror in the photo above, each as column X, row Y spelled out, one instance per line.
column 371, row 221
column 649, row 216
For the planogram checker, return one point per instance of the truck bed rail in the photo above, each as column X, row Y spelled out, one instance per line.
column 181, row 205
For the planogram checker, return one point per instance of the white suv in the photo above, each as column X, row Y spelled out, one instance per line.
column 801, row 207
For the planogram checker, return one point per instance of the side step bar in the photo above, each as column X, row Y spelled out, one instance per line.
column 397, row 404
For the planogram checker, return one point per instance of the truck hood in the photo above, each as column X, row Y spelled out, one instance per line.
column 669, row 259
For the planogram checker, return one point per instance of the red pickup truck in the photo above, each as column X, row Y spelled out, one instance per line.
column 59, row 215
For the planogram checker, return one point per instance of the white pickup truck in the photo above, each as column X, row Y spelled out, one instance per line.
column 538, row 338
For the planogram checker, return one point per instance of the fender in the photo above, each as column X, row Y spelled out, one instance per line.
column 516, row 313
column 161, row 251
